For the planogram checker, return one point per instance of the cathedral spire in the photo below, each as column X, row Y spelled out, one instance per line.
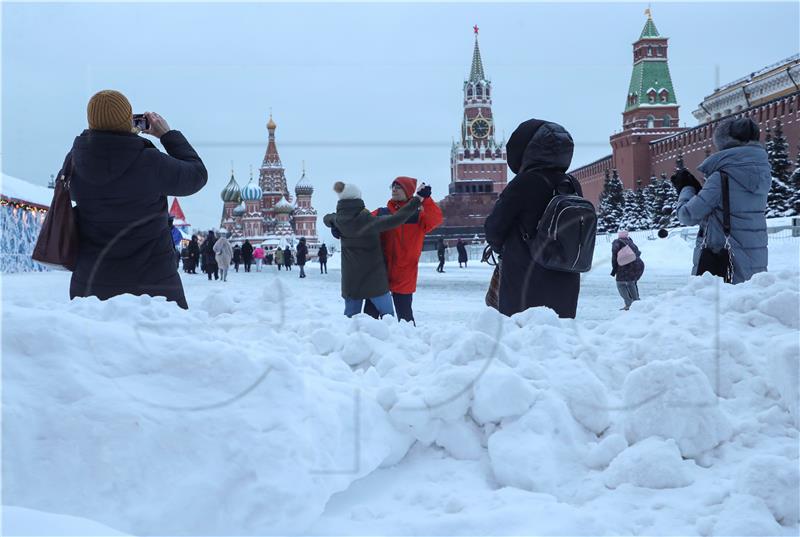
column 476, row 72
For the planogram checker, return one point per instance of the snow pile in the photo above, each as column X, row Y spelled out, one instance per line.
column 248, row 413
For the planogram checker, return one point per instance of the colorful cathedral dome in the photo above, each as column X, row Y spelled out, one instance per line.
column 283, row 206
column 239, row 210
column 251, row 191
column 231, row 192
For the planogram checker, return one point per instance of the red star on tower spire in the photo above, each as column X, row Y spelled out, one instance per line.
column 475, row 28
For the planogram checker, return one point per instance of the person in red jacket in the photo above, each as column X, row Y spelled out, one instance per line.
column 402, row 245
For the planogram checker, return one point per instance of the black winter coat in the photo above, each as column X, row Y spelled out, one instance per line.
column 630, row 272
column 194, row 251
column 120, row 184
column 247, row 252
column 237, row 255
column 363, row 266
column 288, row 260
column 537, row 151
column 322, row 255
column 462, row 252
column 302, row 254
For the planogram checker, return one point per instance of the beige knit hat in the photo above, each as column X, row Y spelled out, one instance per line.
column 109, row 110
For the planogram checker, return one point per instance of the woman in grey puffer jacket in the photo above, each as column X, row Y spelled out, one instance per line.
column 744, row 159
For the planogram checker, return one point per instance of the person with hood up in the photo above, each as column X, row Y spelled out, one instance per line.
column 302, row 253
column 288, row 260
column 279, row 257
column 237, row 257
column 743, row 159
column 364, row 275
column 539, row 153
column 209, row 256
column 322, row 255
column 402, row 246
column 120, row 183
column 194, row 254
column 247, row 255
column 627, row 266
column 462, row 253
column 223, row 253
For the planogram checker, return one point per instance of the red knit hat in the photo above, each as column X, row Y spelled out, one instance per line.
column 408, row 184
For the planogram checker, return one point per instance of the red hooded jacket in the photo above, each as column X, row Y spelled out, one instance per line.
column 402, row 245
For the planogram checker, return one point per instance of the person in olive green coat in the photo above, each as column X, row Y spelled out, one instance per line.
column 279, row 257
column 364, row 274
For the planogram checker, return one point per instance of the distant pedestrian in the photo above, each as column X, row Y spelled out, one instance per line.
column 210, row 257
column 237, row 257
column 440, row 250
column 364, row 273
column 223, row 255
column 462, row 253
column 322, row 255
column 288, row 260
column 177, row 238
column 737, row 250
column 194, row 254
column 279, row 257
column 247, row 255
column 302, row 253
column 627, row 266
column 258, row 255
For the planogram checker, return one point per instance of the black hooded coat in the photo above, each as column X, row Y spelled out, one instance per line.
column 538, row 152
column 120, row 183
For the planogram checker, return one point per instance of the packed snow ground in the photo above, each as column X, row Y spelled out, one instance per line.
column 262, row 410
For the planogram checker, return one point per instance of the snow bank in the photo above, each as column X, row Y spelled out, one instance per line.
column 24, row 522
column 248, row 413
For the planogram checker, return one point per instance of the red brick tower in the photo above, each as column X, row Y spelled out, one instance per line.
column 477, row 160
column 651, row 108
column 272, row 175
column 305, row 216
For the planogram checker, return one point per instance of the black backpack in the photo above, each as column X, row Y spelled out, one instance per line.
column 564, row 238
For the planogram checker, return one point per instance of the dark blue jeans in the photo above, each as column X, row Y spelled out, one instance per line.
column 402, row 307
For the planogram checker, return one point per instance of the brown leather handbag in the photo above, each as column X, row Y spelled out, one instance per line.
column 57, row 245
column 493, row 293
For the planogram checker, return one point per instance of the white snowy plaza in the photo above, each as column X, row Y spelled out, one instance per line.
column 263, row 410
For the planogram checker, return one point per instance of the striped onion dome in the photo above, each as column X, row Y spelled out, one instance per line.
column 283, row 206
column 251, row 191
column 239, row 210
column 231, row 192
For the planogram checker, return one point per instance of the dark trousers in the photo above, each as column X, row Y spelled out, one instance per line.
column 440, row 268
column 302, row 271
column 236, row 266
column 247, row 264
column 287, row 266
column 215, row 272
column 323, row 267
column 402, row 307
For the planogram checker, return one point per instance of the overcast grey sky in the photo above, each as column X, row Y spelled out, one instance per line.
column 361, row 92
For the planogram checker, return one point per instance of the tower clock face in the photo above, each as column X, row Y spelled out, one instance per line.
column 480, row 128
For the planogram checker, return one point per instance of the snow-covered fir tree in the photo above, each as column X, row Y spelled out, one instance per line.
column 612, row 204
column 781, row 196
column 642, row 220
column 794, row 184
column 629, row 213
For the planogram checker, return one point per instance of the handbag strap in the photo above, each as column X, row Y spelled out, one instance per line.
column 726, row 204
column 66, row 171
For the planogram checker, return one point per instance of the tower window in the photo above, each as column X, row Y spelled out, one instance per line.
column 667, row 121
column 469, row 91
column 479, row 91
column 651, row 96
column 663, row 95
column 651, row 122
column 649, row 51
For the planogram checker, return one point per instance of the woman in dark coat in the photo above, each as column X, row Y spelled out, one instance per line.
column 627, row 275
column 539, row 153
column 302, row 253
column 120, row 183
column 209, row 256
column 462, row 253
column 440, row 249
column 194, row 254
column 237, row 257
column 322, row 255
column 247, row 255
column 287, row 258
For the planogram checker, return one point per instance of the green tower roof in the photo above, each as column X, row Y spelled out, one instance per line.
column 650, row 73
column 476, row 72
column 649, row 29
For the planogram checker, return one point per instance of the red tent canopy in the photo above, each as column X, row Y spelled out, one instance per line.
column 177, row 213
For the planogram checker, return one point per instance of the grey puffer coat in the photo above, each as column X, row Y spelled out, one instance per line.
column 750, row 179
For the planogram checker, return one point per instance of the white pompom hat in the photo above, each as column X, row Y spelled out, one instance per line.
column 347, row 191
